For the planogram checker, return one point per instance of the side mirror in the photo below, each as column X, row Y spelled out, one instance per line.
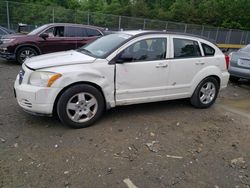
column 44, row 35
column 124, row 57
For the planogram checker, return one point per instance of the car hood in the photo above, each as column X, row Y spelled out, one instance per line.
column 58, row 59
column 14, row 36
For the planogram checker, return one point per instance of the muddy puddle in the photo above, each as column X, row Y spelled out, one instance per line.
column 240, row 104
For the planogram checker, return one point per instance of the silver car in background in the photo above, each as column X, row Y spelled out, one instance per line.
column 239, row 66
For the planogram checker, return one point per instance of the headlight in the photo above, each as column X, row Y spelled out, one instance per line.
column 4, row 41
column 43, row 79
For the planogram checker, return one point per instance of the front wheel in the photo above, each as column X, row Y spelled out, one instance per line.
column 25, row 52
column 80, row 106
column 206, row 93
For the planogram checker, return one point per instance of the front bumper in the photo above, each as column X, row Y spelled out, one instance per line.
column 6, row 55
column 35, row 100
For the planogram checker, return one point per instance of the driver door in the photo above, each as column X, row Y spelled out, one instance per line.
column 142, row 72
column 55, row 42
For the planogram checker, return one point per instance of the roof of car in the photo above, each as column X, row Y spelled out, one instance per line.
column 148, row 32
column 72, row 24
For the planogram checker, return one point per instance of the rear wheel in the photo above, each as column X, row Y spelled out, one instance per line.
column 80, row 106
column 206, row 93
column 25, row 52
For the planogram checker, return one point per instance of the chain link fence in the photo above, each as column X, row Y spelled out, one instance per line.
column 13, row 13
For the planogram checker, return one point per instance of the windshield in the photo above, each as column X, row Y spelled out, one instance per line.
column 246, row 49
column 103, row 46
column 38, row 30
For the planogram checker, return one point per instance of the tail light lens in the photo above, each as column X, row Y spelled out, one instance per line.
column 227, row 58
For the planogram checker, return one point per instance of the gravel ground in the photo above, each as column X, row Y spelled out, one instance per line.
column 165, row 144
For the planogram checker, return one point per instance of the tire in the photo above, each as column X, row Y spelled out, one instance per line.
column 80, row 106
column 205, row 93
column 25, row 52
column 234, row 79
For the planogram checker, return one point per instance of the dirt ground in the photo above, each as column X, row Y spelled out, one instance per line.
column 165, row 144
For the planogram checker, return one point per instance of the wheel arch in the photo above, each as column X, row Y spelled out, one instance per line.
column 28, row 45
column 218, row 79
column 77, row 83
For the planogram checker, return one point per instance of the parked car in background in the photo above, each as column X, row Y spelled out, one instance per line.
column 4, row 31
column 240, row 64
column 121, row 69
column 46, row 39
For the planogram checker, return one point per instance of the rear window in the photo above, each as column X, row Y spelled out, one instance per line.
column 246, row 49
column 208, row 50
column 92, row 32
column 75, row 31
column 185, row 48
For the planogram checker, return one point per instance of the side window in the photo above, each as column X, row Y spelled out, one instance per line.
column 184, row 48
column 208, row 50
column 75, row 32
column 145, row 50
column 55, row 31
column 92, row 32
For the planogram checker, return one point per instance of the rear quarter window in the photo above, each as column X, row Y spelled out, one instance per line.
column 208, row 50
column 185, row 48
column 92, row 32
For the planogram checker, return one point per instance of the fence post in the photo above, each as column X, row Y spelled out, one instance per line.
column 119, row 22
column 185, row 28
column 246, row 41
column 8, row 14
column 144, row 24
column 242, row 34
column 88, row 17
column 53, row 15
column 202, row 30
column 228, row 37
column 217, row 33
column 166, row 26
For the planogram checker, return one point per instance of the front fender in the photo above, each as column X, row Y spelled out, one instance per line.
column 103, row 78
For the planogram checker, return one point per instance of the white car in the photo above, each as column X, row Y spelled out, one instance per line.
column 121, row 69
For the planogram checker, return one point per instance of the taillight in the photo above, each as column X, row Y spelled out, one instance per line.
column 227, row 58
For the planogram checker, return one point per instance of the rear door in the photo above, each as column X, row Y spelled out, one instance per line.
column 186, row 61
column 77, row 36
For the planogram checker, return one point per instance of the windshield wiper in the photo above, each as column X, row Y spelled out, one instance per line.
column 85, row 50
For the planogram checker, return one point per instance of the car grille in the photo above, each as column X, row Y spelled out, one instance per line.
column 21, row 75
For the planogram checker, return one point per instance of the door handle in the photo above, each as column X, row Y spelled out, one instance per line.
column 200, row 63
column 161, row 65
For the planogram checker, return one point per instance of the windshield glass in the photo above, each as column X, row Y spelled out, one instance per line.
column 246, row 49
column 38, row 30
column 103, row 46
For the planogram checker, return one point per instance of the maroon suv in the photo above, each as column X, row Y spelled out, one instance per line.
column 46, row 39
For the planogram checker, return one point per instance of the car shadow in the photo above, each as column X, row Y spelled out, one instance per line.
column 128, row 111
column 8, row 63
column 147, row 108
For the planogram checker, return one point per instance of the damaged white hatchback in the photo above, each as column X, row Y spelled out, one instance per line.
column 121, row 69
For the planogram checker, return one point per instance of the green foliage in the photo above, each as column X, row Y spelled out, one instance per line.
column 233, row 14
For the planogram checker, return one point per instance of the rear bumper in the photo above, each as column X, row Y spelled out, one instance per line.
column 239, row 72
column 224, row 80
